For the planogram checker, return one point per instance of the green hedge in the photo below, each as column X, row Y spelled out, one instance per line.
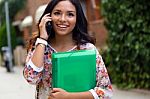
column 128, row 53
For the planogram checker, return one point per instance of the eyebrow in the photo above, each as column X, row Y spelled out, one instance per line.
column 67, row 11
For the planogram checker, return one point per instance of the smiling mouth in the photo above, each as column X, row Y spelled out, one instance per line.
column 62, row 26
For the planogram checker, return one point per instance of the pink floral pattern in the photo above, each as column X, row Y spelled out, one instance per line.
column 42, row 79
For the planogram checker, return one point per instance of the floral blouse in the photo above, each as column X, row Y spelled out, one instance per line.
column 41, row 77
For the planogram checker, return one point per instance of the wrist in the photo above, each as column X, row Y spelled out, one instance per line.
column 43, row 38
column 40, row 41
column 40, row 44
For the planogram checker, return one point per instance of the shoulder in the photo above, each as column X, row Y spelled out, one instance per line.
column 87, row 46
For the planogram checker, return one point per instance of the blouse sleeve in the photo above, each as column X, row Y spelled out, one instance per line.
column 103, row 85
column 103, row 88
column 31, row 73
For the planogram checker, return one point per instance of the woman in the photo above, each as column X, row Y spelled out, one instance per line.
column 69, row 33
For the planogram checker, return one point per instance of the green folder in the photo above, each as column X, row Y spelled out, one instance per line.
column 74, row 71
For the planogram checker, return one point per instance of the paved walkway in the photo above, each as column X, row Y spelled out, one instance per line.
column 132, row 94
column 14, row 86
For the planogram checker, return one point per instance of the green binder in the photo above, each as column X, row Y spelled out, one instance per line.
column 74, row 71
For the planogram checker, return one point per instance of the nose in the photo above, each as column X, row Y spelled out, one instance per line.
column 63, row 18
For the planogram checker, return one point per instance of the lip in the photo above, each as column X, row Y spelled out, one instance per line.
column 62, row 26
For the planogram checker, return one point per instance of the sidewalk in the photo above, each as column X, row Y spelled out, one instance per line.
column 14, row 86
column 131, row 94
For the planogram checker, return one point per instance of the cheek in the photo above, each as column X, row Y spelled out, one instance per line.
column 53, row 19
column 73, row 23
column 54, row 22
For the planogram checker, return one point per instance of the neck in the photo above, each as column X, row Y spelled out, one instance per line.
column 62, row 43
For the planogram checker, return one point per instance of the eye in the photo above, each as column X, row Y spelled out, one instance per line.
column 71, row 14
column 57, row 13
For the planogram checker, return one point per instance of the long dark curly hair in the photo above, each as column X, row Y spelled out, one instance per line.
column 80, row 32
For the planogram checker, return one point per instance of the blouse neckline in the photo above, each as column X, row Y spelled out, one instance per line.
column 65, row 51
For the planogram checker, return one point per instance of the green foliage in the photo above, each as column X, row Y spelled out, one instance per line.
column 128, row 53
column 3, row 37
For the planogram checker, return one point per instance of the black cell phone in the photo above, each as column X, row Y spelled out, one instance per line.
column 48, row 27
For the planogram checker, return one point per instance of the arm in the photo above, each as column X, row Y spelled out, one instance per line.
column 35, row 59
column 34, row 65
column 103, row 87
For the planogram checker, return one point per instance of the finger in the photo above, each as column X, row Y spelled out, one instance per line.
column 44, row 22
column 47, row 21
column 54, row 94
column 45, row 18
column 50, row 97
column 51, row 94
column 48, row 14
column 56, row 90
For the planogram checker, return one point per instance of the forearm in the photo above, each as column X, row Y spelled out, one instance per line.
column 80, row 95
column 38, row 56
column 35, row 58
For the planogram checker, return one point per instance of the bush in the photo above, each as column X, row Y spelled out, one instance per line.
column 128, row 53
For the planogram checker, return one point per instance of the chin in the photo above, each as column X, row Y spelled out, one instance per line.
column 62, row 33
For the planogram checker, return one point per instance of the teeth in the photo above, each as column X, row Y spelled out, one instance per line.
column 62, row 26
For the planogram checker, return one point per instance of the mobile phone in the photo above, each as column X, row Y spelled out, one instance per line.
column 48, row 28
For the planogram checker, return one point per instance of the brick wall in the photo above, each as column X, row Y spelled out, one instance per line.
column 96, row 22
column 99, row 31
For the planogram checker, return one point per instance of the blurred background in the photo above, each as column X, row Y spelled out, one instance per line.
column 122, row 32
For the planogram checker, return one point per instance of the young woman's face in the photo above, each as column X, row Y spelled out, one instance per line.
column 64, row 17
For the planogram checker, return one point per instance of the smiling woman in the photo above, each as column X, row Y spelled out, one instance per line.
column 68, row 33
